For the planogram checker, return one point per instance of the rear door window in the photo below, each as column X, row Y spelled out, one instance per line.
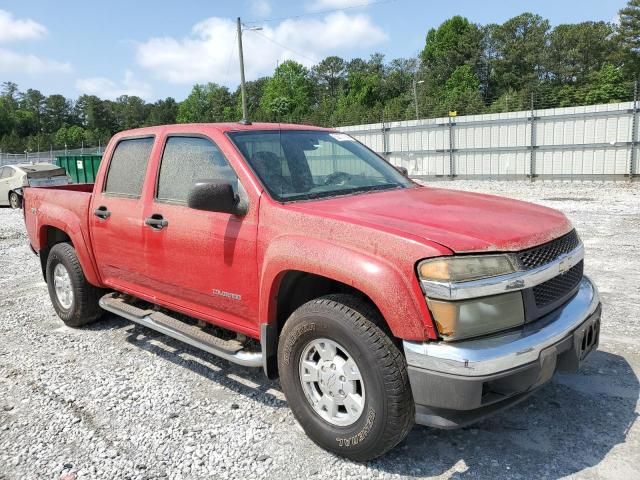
column 128, row 167
column 185, row 161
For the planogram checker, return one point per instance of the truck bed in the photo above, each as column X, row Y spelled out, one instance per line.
column 65, row 207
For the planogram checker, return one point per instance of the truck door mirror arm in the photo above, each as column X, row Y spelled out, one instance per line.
column 215, row 196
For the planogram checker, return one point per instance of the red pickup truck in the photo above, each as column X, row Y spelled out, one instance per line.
column 377, row 301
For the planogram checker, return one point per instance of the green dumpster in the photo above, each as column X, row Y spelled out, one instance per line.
column 81, row 168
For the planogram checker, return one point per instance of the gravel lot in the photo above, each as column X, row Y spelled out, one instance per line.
column 118, row 401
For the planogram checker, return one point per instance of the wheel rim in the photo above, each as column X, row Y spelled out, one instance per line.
column 332, row 382
column 62, row 285
column 13, row 200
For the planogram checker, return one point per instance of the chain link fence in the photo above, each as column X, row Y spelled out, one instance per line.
column 47, row 156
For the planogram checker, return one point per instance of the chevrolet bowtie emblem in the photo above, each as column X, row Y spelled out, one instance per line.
column 564, row 265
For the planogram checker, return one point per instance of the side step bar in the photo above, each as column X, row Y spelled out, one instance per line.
column 231, row 350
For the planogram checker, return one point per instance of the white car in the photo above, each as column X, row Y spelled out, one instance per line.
column 14, row 177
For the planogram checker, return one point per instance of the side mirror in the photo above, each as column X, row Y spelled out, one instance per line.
column 214, row 196
column 403, row 171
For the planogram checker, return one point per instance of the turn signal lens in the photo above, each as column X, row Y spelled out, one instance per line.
column 463, row 269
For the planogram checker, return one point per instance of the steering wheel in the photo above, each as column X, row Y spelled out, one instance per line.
column 336, row 178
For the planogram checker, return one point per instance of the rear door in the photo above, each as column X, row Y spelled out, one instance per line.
column 116, row 215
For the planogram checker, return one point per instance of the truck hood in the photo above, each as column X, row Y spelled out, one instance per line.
column 460, row 221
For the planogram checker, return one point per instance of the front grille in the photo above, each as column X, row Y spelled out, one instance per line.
column 558, row 287
column 543, row 254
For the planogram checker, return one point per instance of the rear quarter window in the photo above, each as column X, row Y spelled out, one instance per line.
column 128, row 167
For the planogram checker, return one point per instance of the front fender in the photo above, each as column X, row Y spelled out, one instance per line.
column 395, row 292
column 67, row 221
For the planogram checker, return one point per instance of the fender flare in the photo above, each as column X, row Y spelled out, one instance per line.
column 67, row 222
column 395, row 293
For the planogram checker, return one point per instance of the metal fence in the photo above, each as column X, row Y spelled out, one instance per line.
column 586, row 142
column 48, row 156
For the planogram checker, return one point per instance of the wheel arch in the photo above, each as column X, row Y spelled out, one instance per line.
column 51, row 234
column 294, row 289
column 297, row 269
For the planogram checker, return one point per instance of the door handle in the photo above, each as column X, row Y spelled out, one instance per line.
column 156, row 221
column 102, row 212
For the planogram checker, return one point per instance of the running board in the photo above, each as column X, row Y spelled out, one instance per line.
column 231, row 350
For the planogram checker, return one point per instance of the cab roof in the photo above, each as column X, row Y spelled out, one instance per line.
column 225, row 127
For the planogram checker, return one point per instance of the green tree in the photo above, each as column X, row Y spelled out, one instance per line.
column 34, row 102
column 6, row 118
column 454, row 43
column 462, row 92
column 255, row 91
column 9, row 91
column 288, row 94
column 577, row 50
column 207, row 103
column 56, row 112
column 95, row 114
column 510, row 100
column 329, row 75
column 606, row 85
column 629, row 36
column 130, row 112
column 518, row 52
column 24, row 123
column 163, row 112
column 69, row 137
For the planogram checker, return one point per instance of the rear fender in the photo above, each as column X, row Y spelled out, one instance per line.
column 53, row 215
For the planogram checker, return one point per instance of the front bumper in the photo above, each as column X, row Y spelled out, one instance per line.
column 457, row 383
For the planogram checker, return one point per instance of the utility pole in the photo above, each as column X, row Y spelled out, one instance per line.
column 245, row 114
column 634, row 133
column 415, row 96
column 532, row 144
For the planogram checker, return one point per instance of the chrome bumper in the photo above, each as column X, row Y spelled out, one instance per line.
column 500, row 352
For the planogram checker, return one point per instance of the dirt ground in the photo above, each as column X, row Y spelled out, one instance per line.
column 118, row 401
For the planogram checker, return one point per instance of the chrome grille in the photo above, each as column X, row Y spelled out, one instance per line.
column 558, row 287
column 543, row 254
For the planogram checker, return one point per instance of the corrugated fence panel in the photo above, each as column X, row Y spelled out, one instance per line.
column 573, row 142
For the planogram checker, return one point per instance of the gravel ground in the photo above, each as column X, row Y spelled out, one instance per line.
column 118, row 401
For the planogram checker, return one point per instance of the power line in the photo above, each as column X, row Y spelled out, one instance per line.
column 321, row 12
column 233, row 49
column 284, row 46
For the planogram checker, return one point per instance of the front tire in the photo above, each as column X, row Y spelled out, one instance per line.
column 344, row 379
column 74, row 299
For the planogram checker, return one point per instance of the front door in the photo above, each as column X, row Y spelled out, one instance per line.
column 204, row 261
column 116, row 216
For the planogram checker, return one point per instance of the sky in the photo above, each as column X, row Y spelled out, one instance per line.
column 156, row 49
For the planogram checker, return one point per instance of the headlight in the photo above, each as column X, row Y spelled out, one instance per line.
column 460, row 319
column 464, row 269
column 479, row 316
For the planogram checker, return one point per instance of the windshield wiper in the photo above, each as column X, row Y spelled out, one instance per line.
column 346, row 191
column 385, row 186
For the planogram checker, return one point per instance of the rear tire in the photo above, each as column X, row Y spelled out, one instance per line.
column 378, row 384
column 15, row 201
column 74, row 299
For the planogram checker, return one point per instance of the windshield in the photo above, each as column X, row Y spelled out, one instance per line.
column 304, row 164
